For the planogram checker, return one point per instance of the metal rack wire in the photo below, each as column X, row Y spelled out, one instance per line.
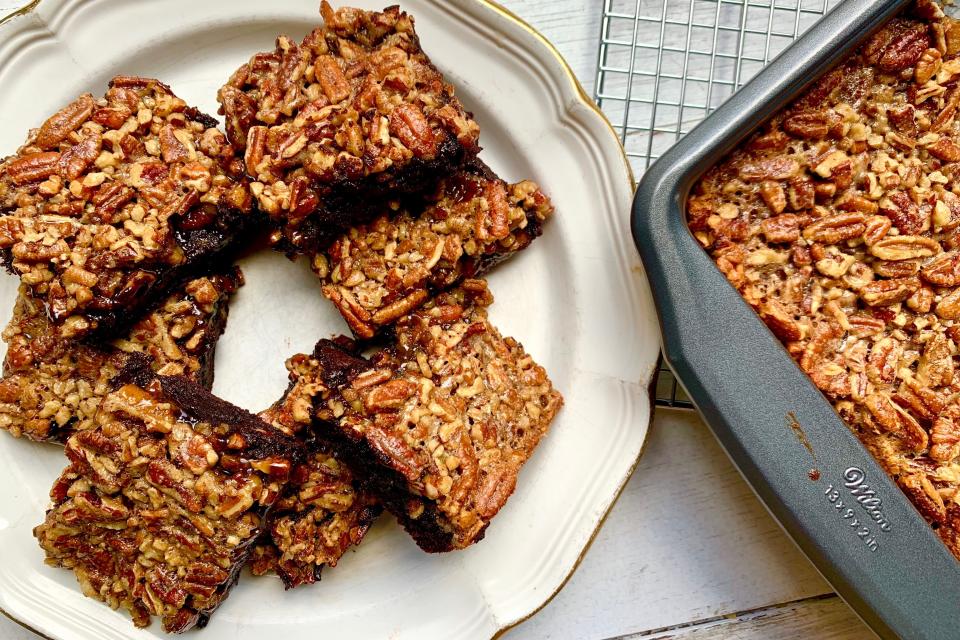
column 664, row 65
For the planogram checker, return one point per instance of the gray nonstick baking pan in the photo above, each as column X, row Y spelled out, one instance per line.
column 813, row 475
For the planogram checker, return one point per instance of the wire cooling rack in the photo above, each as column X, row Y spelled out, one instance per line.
column 664, row 65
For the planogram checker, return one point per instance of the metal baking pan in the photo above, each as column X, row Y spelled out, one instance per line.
column 812, row 474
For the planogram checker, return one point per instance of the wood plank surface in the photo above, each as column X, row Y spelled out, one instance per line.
column 686, row 541
column 826, row 618
column 687, row 553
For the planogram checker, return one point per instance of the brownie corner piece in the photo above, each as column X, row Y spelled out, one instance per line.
column 321, row 514
column 162, row 501
column 52, row 387
column 440, row 422
column 114, row 201
column 355, row 111
column 324, row 510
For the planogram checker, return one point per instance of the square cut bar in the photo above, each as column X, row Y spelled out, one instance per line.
column 355, row 111
column 323, row 510
column 162, row 502
column 439, row 424
column 379, row 271
column 839, row 223
column 52, row 387
column 113, row 202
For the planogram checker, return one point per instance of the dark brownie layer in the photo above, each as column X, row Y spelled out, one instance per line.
column 112, row 203
column 354, row 112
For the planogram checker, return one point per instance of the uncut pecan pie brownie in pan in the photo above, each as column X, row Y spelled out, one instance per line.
column 823, row 192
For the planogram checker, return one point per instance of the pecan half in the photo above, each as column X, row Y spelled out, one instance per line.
column 33, row 167
column 905, row 248
column 943, row 270
column 903, row 212
column 945, row 149
column 64, row 122
column 410, row 125
column 949, row 306
column 781, row 229
column 812, row 125
column 905, row 48
column 836, row 228
column 881, row 293
column 945, row 436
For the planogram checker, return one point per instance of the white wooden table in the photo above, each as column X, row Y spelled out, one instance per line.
column 687, row 553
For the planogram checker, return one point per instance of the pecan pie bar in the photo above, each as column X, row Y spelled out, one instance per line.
column 320, row 515
column 163, row 500
column 323, row 511
column 355, row 111
column 439, row 423
column 377, row 272
column 112, row 202
column 839, row 222
column 52, row 387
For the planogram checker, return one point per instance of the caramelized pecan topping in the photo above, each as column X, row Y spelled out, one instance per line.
column 380, row 271
column 93, row 202
column 856, row 270
column 441, row 420
column 52, row 387
column 163, row 500
column 354, row 110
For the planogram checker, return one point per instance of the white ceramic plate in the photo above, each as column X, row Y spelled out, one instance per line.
column 577, row 299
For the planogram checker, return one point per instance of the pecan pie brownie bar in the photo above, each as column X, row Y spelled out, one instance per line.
column 163, row 500
column 439, row 423
column 52, row 387
column 321, row 514
column 377, row 272
column 323, row 511
column 354, row 111
column 839, row 222
column 111, row 203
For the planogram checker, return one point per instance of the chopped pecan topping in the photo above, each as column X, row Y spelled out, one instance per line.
column 355, row 110
column 858, row 272
column 441, row 420
column 380, row 271
column 155, row 513
column 52, row 387
column 323, row 510
column 321, row 513
column 103, row 187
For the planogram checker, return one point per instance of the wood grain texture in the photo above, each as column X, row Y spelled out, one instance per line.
column 687, row 541
column 573, row 26
column 816, row 618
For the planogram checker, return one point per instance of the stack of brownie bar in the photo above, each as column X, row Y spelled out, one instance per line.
column 122, row 216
